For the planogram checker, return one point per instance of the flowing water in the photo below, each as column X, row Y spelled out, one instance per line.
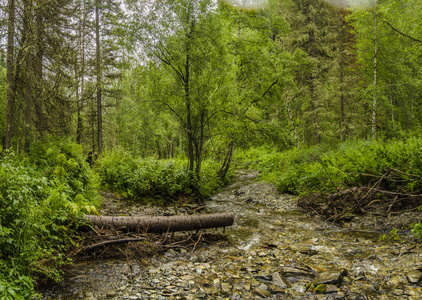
column 270, row 236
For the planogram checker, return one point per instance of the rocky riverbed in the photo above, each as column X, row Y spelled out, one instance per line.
column 273, row 251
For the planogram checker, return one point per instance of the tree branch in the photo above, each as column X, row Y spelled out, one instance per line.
column 402, row 33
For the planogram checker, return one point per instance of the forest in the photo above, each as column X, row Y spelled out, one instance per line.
column 173, row 95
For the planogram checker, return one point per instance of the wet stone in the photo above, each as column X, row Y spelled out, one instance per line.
column 280, row 281
column 330, row 277
column 262, row 293
column 414, row 276
column 291, row 271
column 111, row 294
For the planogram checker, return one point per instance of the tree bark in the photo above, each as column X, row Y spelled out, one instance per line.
column 99, row 79
column 374, row 104
column 163, row 223
column 10, row 76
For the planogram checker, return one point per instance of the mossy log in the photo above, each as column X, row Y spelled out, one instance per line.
column 162, row 224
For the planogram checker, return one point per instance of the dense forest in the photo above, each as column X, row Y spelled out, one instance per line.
column 168, row 92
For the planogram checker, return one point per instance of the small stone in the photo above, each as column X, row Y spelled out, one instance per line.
column 276, row 289
column 414, row 276
column 111, row 293
column 291, row 271
column 217, row 283
column 280, row 281
column 308, row 251
column 262, row 293
column 205, row 265
column 331, row 288
column 247, row 287
column 226, row 287
column 331, row 277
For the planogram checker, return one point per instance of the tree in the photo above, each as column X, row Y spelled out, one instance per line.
column 10, row 75
column 183, row 37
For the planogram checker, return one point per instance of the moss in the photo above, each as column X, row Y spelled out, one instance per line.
column 320, row 288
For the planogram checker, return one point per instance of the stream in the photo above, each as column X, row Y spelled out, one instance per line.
column 273, row 251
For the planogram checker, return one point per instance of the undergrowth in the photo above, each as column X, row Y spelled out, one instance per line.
column 40, row 195
column 153, row 180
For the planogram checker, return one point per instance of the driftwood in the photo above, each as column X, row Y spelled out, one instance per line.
column 162, row 224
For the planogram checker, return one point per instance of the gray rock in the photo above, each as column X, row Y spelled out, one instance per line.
column 414, row 276
column 111, row 294
column 308, row 251
column 291, row 271
column 330, row 277
column 331, row 288
column 262, row 293
column 280, row 281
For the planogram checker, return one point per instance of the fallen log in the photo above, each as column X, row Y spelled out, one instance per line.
column 162, row 224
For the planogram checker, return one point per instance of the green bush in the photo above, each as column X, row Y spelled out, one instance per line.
column 155, row 180
column 353, row 163
column 39, row 194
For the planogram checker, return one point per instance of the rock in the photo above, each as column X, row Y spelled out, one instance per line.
column 262, row 293
column 414, row 276
column 291, row 271
column 111, row 294
column 226, row 287
column 331, row 288
column 274, row 289
column 308, row 251
column 280, row 281
column 330, row 277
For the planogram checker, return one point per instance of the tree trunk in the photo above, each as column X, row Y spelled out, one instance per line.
column 99, row 79
column 10, row 76
column 163, row 224
column 374, row 104
column 227, row 161
column 28, row 89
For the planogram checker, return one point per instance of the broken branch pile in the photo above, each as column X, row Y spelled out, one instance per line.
column 389, row 192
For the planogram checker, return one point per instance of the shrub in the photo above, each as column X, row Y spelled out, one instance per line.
column 353, row 163
column 155, row 180
column 39, row 195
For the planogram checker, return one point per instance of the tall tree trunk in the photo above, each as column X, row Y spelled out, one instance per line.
column 374, row 104
column 81, row 76
column 38, row 70
column 10, row 76
column 99, row 79
column 28, row 89
column 341, row 65
column 189, row 128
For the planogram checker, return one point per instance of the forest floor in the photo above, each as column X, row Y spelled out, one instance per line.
column 274, row 250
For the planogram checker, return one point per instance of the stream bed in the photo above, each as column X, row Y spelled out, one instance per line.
column 273, row 251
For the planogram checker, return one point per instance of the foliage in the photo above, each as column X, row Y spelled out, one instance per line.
column 155, row 180
column 353, row 163
column 38, row 197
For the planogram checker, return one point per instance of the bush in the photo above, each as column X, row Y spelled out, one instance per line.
column 353, row 163
column 39, row 195
column 154, row 180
